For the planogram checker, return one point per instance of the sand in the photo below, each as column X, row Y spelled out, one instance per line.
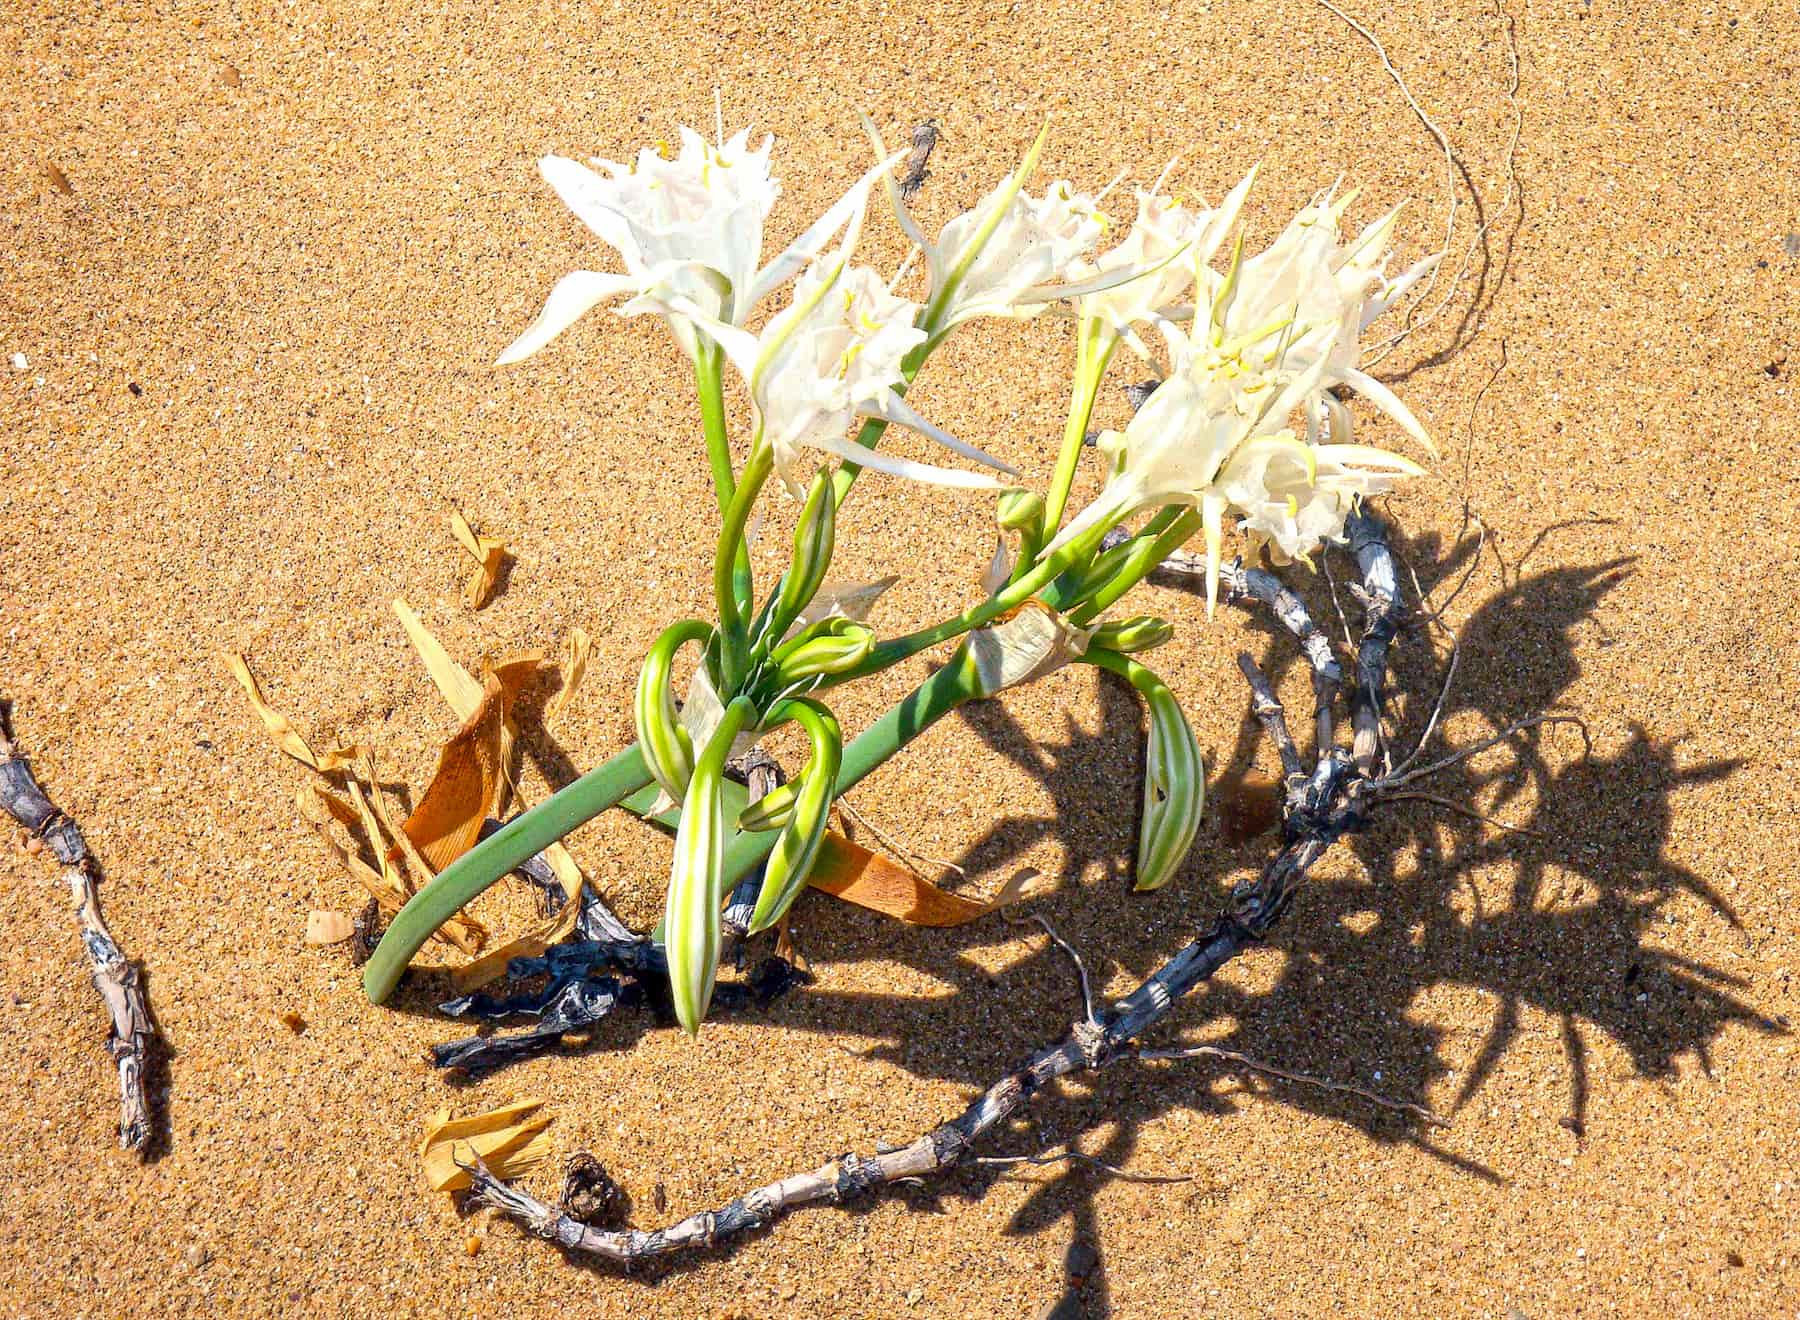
column 257, row 333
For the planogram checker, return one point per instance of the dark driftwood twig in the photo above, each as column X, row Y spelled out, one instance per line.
column 116, row 978
column 913, row 170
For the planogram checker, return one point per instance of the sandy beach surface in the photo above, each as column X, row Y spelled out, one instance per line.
column 246, row 328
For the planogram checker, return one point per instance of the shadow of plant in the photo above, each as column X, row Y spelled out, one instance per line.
column 1587, row 889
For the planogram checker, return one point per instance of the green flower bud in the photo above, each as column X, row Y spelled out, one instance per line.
column 668, row 751
column 814, row 540
column 691, row 918
column 1019, row 510
column 1174, row 788
column 829, row 647
column 1142, row 632
column 791, row 860
column 771, row 811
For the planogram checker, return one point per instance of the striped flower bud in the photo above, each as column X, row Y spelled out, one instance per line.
column 771, row 811
column 814, row 540
column 668, row 751
column 1142, row 632
column 691, row 918
column 828, row 647
column 791, row 860
column 1174, row 788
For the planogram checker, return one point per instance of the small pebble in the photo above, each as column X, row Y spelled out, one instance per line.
column 196, row 1256
column 293, row 1022
column 471, row 1246
column 19, row 362
column 34, row 845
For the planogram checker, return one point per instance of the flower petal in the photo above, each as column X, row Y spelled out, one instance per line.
column 811, row 243
column 904, row 467
column 895, row 409
column 574, row 294
column 1389, row 402
column 585, row 193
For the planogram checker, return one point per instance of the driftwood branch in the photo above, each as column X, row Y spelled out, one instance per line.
column 116, row 978
column 1319, row 807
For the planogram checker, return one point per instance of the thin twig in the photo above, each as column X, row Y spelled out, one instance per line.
column 117, row 979
column 1304, row 1079
column 1458, row 807
column 1449, row 169
column 1396, row 781
column 1081, row 1157
column 893, row 845
column 1087, row 990
column 1512, row 178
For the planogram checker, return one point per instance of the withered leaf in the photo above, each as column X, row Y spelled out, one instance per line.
column 851, row 872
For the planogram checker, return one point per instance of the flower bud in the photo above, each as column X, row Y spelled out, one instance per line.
column 791, row 860
column 1020, row 510
column 691, row 918
column 829, row 647
column 1174, row 788
column 814, row 540
column 1142, row 632
column 771, row 811
column 668, row 751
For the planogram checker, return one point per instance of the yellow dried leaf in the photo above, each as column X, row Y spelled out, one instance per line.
column 280, row 727
column 574, row 669
column 851, row 872
column 456, row 683
column 508, row 1140
column 324, row 926
column 489, row 554
column 319, row 809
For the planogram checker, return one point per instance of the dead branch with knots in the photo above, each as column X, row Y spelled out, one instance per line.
column 118, row 980
column 1321, row 803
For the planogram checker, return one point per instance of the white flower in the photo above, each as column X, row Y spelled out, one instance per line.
column 831, row 357
column 1167, row 241
column 1331, row 291
column 688, row 228
column 1214, row 437
column 1295, row 496
column 1009, row 254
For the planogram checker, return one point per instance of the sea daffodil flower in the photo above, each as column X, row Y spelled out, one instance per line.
column 832, row 356
column 1332, row 290
column 1009, row 255
column 1169, row 244
column 690, row 227
column 1214, row 437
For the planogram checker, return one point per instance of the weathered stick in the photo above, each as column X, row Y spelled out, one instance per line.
column 115, row 977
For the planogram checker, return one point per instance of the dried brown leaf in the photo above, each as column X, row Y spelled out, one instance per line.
column 324, row 926
column 280, row 727
column 574, row 669
column 851, row 872
column 508, row 1138
column 489, row 554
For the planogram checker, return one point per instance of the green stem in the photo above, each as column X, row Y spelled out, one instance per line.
column 1094, row 345
column 709, row 381
column 732, row 628
column 890, row 653
column 521, row 838
column 1145, row 554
